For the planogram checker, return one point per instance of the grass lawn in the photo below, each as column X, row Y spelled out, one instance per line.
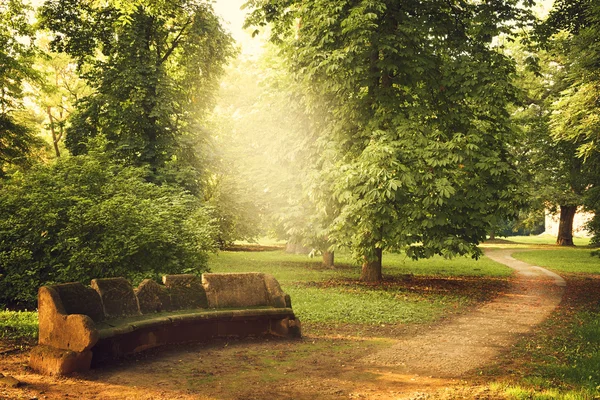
column 414, row 291
column 18, row 325
column 561, row 259
column 545, row 239
column 559, row 360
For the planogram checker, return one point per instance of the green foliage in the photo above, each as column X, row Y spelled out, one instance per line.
column 233, row 208
column 553, row 174
column 85, row 217
column 409, row 101
column 56, row 92
column 154, row 68
column 16, row 58
column 571, row 31
column 262, row 143
column 18, row 325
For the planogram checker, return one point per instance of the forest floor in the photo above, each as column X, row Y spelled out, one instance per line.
column 444, row 360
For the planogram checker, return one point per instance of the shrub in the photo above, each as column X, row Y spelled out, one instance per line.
column 85, row 217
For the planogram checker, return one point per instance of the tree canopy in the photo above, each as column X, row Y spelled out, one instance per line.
column 154, row 68
column 416, row 130
column 16, row 58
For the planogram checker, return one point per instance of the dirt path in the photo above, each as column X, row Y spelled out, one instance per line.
column 471, row 341
column 419, row 363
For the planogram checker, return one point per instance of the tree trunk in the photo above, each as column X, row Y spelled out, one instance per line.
column 55, row 138
column 565, row 226
column 492, row 235
column 371, row 270
column 328, row 259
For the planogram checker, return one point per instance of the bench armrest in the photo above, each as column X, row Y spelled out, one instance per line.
column 75, row 332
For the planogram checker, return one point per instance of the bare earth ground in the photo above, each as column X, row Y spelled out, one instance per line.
column 417, row 362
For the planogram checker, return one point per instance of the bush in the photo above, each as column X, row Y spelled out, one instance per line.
column 85, row 217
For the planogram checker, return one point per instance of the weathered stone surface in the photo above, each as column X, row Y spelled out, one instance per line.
column 73, row 342
column 75, row 332
column 152, row 297
column 294, row 328
column 238, row 290
column 276, row 295
column 288, row 301
column 118, row 299
column 79, row 299
column 185, row 291
column 51, row 361
column 9, row 381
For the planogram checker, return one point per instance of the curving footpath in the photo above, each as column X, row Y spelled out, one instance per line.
column 471, row 341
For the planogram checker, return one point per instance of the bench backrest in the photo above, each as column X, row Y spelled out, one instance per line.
column 118, row 298
column 75, row 298
column 115, row 297
column 238, row 290
column 185, row 291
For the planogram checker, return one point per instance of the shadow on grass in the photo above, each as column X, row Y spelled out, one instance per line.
column 478, row 289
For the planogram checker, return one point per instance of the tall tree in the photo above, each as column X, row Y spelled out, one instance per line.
column 571, row 32
column 16, row 57
column 416, row 129
column 555, row 176
column 154, row 67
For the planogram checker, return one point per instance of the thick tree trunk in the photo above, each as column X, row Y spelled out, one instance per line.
column 492, row 235
column 565, row 226
column 328, row 259
column 371, row 270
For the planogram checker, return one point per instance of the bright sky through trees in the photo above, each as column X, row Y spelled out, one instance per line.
column 233, row 17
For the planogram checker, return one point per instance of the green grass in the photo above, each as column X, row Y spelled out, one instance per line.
column 572, row 260
column 301, row 268
column 545, row 239
column 343, row 302
column 18, row 325
column 519, row 393
column 357, row 305
column 564, row 361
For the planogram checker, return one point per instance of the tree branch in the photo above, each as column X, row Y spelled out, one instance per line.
column 176, row 41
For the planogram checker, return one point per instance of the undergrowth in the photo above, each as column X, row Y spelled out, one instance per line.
column 18, row 325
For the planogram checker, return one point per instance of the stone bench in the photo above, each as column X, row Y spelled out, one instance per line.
column 81, row 327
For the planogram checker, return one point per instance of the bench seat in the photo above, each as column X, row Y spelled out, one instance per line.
column 83, row 327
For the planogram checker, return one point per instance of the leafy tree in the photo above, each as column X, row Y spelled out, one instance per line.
column 571, row 32
column 555, row 177
column 414, row 127
column 57, row 91
column 84, row 217
column 154, row 67
column 16, row 57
